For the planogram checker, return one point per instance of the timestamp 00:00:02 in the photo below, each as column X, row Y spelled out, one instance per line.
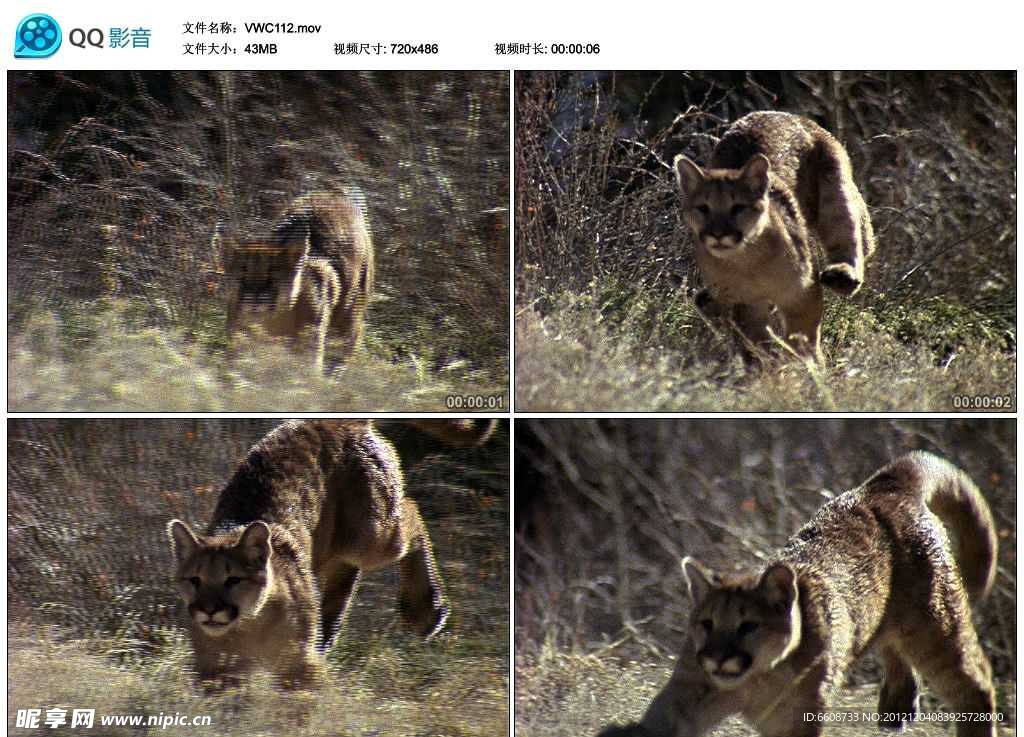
column 983, row 401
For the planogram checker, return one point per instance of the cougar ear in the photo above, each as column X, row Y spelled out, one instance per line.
column 689, row 176
column 183, row 540
column 699, row 578
column 755, row 174
column 778, row 585
column 255, row 543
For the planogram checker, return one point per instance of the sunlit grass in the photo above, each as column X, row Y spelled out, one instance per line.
column 559, row 694
column 400, row 688
column 108, row 362
column 588, row 352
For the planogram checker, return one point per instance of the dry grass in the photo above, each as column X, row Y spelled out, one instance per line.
column 559, row 695
column 606, row 508
column 578, row 360
column 452, row 688
column 125, row 366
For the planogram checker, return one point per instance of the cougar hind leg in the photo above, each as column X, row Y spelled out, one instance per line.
column 898, row 697
column 421, row 602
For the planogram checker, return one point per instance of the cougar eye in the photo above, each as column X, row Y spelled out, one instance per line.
column 195, row 581
column 747, row 628
column 703, row 209
column 737, row 209
column 231, row 581
column 707, row 624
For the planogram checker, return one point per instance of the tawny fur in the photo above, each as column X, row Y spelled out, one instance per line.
column 779, row 190
column 311, row 506
column 874, row 569
column 311, row 281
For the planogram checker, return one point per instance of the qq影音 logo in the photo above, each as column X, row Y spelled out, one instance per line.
column 38, row 36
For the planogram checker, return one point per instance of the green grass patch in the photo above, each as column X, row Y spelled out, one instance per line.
column 616, row 347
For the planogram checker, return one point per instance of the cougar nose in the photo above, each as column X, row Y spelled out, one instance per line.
column 719, row 231
column 207, row 609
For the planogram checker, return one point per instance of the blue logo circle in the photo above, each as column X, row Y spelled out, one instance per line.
column 38, row 36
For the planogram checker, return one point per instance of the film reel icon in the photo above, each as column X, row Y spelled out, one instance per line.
column 38, row 36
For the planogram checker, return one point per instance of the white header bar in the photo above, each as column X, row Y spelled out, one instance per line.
column 301, row 34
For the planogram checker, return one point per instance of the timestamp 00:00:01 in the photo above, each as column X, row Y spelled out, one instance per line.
column 474, row 401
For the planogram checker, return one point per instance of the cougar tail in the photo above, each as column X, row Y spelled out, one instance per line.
column 460, row 433
column 954, row 499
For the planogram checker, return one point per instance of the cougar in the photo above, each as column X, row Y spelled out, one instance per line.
column 780, row 187
column 890, row 566
column 312, row 505
column 314, row 274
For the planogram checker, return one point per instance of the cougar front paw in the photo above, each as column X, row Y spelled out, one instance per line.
column 841, row 278
column 707, row 306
